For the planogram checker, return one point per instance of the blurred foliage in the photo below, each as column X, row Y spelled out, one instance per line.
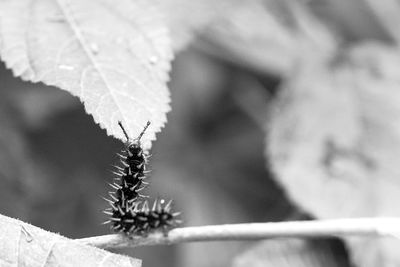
column 288, row 253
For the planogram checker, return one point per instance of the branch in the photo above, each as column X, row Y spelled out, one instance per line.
column 255, row 231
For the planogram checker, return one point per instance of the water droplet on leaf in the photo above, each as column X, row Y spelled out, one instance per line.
column 153, row 60
column 95, row 48
column 66, row 67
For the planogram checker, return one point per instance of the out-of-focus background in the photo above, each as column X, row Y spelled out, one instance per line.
column 279, row 112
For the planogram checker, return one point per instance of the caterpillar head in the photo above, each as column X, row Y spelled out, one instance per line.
column 134, row 146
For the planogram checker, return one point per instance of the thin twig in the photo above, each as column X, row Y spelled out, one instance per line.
column 255, row 231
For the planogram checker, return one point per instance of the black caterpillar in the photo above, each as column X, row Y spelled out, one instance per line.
column 133, row 173
column 128, row 213
column 139, row 219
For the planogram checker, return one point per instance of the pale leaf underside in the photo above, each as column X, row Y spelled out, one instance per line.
column 22, row 244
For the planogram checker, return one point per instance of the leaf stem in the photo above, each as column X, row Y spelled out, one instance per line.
column 384, row 226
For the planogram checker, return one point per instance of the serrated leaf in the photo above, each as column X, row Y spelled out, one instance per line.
column 334, row 142
column 115, row 56
column 22, row 244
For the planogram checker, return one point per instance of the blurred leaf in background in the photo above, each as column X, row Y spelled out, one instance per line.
column 289, row 253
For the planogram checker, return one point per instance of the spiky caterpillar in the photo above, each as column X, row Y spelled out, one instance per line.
column 127, row 214
column 139, row 219
column 133, row 172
